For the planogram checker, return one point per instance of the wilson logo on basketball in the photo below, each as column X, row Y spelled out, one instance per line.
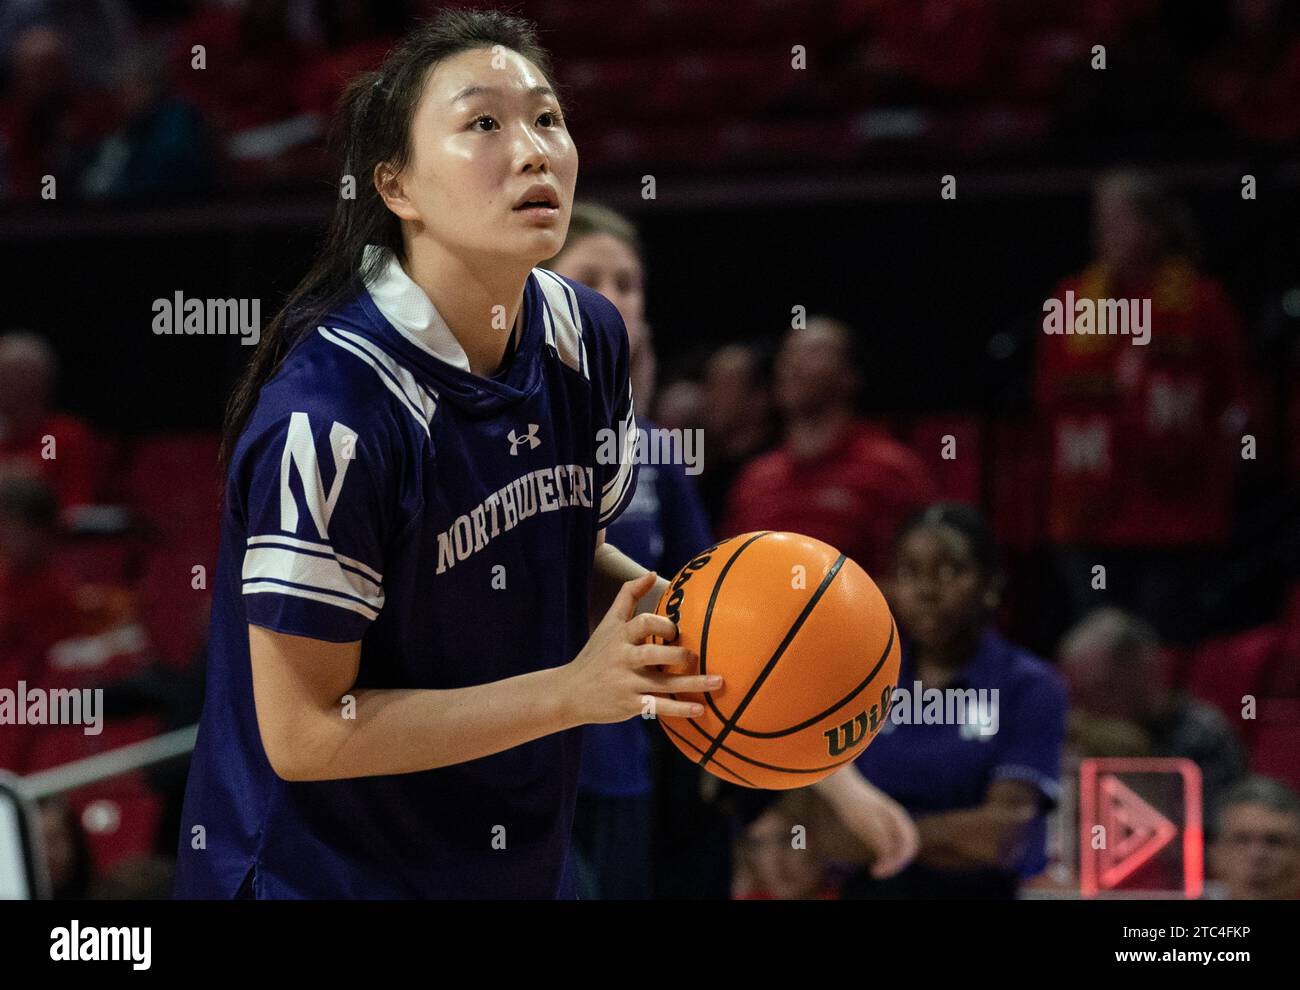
column 844, row 737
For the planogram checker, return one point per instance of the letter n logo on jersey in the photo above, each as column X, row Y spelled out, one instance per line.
column 300, row 455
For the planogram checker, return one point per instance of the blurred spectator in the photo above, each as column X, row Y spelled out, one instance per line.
column 662, row 528
column 1256, row 848
column 33, row 592
column 1144, row 439
column 834, row 477
column 357, row 35
column 49, row 122
column 56, row 446
column 680, row 406
column 95, row 30
column 779, row 856
column 1112, row 661
column 161, row 145
column 54, row 632
column 737, row 420
column 1252, row 79
column 252, row 58
column 979, row 778
column 1091, row 736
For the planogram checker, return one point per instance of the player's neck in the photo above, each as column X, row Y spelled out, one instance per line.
column 480, row 303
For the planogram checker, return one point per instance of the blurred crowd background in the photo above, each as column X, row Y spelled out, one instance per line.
column 855, row 347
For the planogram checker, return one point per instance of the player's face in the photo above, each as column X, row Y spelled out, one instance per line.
column 939, row 587
column 609, row 266
column 487, row 129
column 1257, row 853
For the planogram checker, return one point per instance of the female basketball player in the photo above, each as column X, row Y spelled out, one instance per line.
column 418, row 480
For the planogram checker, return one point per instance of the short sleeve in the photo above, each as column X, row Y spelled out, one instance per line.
column 319, row 502
column 1031, row 734
column 616, row 465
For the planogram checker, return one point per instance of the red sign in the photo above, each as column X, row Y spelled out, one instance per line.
column 1140, row 828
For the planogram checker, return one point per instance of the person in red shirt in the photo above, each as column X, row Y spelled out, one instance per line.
column 58, row 447
column 36, row 600
column 1144, row 439
column 834, row 477
column 49, row 120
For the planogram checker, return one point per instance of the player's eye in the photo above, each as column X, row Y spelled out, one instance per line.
column 482, row 117
column 551, row 116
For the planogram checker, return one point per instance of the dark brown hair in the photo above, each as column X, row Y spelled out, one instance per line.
column 372, row 124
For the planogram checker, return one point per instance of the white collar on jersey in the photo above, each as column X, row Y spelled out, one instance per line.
column 411, row 312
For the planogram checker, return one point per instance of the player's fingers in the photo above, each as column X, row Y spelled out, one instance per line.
column 648, row 624
column 681, row 683
column 633, row 591
column 669, row 656
column 669, row 708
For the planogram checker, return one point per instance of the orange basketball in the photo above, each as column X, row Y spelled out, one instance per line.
column 808, row 651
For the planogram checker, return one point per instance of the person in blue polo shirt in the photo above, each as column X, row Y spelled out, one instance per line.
column 972, row 744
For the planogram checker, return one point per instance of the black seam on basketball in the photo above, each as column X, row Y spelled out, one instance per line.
column 720, row 766
column 767, row 766
column 729, row 724
column 839, row 704
column 708, row 614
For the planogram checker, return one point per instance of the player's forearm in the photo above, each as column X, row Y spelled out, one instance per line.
column 611, row 568
column 393, row 731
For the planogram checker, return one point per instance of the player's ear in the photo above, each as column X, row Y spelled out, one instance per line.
column 388, row 183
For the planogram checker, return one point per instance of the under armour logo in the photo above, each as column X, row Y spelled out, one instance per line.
column 530, row 437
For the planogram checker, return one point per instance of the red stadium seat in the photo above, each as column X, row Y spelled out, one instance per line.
column 173, row 482
column 174, row 612
column 1275, row 752
column 1225, row 669
column 958, row 477
column 1019, row 475
column 100, row 559
column 119, row 819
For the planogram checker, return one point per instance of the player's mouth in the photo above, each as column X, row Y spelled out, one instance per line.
column 539, row 202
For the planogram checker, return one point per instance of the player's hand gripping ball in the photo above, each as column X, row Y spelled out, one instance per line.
column 806, row 646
